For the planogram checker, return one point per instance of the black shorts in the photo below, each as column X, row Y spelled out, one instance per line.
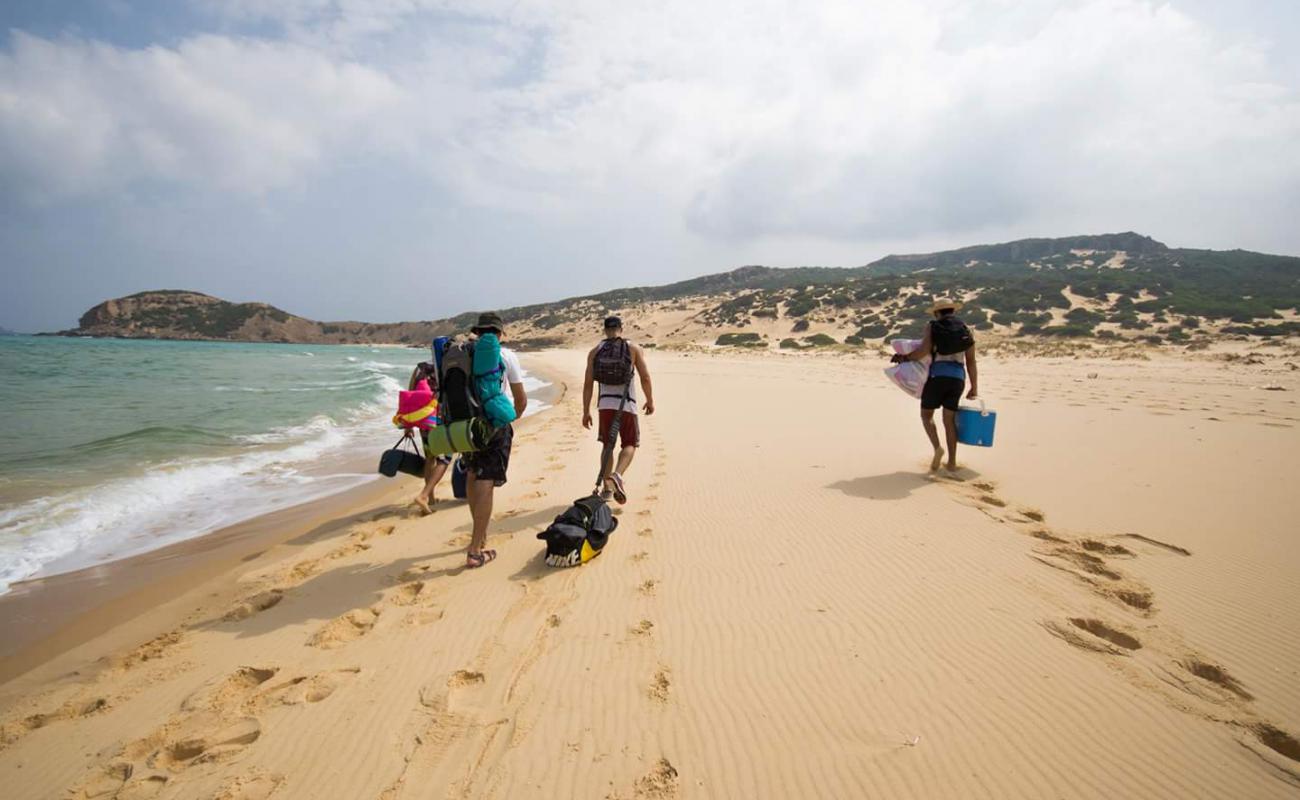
column 491, row 463
column 944, row 392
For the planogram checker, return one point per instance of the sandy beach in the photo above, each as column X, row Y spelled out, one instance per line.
column 1107, row 603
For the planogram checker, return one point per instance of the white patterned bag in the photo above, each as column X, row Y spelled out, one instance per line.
column 910, row 376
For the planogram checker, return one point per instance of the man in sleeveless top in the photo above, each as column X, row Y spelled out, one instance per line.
column 945, row 384
column 609, row 402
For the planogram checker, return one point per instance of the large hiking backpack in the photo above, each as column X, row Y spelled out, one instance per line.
column 613, row 362
column 580, row 533
column 488, row 369
column 457, row 396
column 950, row 336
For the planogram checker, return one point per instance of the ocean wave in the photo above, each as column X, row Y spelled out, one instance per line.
column 188, row 496
column 169, row 502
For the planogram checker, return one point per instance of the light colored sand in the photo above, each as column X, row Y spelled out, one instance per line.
column 790, row 608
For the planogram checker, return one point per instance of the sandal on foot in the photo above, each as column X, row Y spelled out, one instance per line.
column 476, row 560
column 620, row 495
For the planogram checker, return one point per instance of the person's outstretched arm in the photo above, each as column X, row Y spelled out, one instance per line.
column 638, row 356
column 588, row 382
column 973, row 372
column 924, row 350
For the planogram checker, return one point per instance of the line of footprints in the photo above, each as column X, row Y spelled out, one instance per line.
column 1147, row 654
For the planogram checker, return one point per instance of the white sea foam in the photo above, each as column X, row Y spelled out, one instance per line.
column 185, row 498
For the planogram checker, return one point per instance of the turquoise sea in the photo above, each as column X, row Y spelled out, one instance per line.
column 113, row 447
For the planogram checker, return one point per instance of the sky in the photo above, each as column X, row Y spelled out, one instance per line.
column 389, row 160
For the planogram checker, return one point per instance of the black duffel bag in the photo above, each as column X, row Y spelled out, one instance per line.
column 398, row 459
column 580, row 533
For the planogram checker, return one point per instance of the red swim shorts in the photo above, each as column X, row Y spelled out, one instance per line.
column 629, row 431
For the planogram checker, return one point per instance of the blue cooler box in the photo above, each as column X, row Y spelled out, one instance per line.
column 975, row 425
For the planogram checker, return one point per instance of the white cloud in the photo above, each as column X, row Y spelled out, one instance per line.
column 767, row 119
column 234, row 114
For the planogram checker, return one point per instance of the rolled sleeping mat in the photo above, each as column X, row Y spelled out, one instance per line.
column 465, row 436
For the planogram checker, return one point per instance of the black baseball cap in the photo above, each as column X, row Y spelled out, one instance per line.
column 613, row 322
column 489, row 321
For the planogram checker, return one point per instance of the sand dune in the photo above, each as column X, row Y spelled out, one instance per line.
column 1105, row 604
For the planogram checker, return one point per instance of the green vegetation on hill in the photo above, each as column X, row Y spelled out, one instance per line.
column 1124, row 282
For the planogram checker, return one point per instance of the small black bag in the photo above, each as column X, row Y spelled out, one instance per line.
column 397, row 459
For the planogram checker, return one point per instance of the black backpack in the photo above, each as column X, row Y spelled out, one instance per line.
column 613, row 362
column 580, row 533
column 457, row 395
column 950, row 336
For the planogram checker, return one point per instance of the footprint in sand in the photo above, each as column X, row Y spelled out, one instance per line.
column 1096, row 546
column 1094, row 635
column 412, row 593
column 216, row 722
column 660, row 783
column 11, row 732
column 1279, row 741
column 253, row 605
column 642, row 628
column 638, row 557
column 308, row 689
column 464, row 677
column 1216, row 675
column 646, row 532
column 424, row 616
column 156, row 648
column 346, row 628
column 661, row 685
column 301, row 571
column 120, row 779
column 347, row 550
column 647, row 587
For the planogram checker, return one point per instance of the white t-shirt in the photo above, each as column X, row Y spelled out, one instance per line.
column 513, row 372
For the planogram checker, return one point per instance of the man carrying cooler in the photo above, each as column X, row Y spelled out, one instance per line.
column 951, row 346
column 613, row 364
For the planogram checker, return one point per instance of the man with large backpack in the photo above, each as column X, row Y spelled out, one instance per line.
column 951, row 348
column 460, row 398
column 614, row 365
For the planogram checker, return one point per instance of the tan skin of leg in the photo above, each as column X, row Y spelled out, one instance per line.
column 950, row 431
column 433, row 472
column 479, row 493
column 624, row 461
column 931, row 430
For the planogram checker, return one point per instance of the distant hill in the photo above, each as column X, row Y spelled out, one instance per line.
column 1111, row 286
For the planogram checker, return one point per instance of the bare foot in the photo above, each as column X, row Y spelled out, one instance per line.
column 423, row 504
column 937, row 460
column 951, row 466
